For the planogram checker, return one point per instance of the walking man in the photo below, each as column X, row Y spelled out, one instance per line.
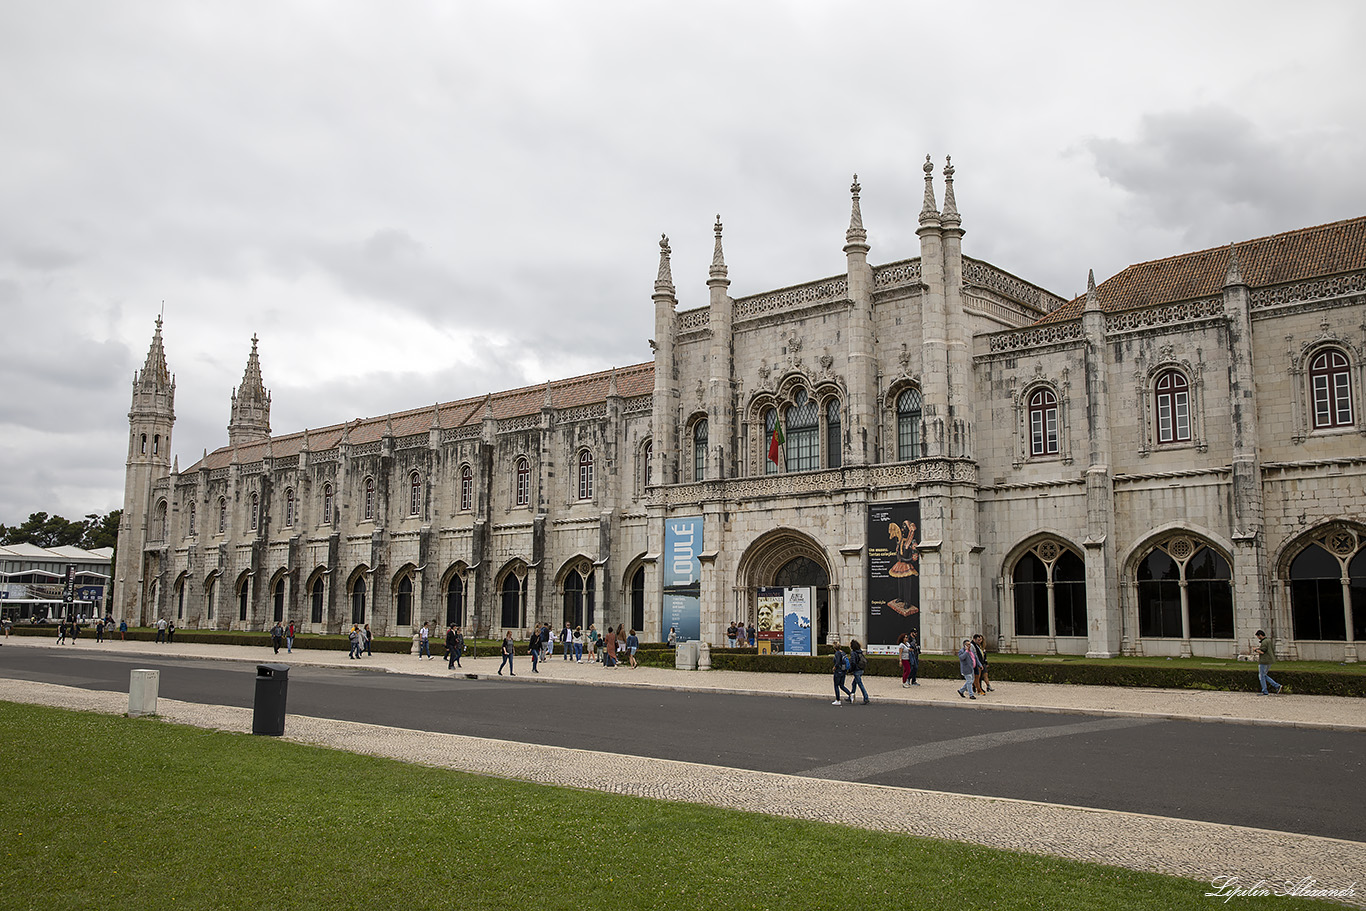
column 289, row 638
column 424, row 648
column 533, row 649
column 967, row 666
column 841, row 670
column 858, row 663
column 915, row 658
column 507, row 655
column 1266, row 653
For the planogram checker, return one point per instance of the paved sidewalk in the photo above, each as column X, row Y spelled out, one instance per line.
column 1328, row 712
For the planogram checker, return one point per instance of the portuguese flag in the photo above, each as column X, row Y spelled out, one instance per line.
column 776, row 442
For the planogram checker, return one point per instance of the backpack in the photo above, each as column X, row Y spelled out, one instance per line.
column 861, row 662
column 841, row 663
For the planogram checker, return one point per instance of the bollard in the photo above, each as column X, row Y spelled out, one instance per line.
column 142, row 692
column 703, row 655
column 272, row 685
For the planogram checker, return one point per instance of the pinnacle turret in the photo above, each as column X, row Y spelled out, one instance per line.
column 950, row 213
column 664, row 282
column 1092, row 302
column 154, row 374
column 1235, row 272
column 856, row 235
column 250, row 404
column 718, row 259
column 929, row 212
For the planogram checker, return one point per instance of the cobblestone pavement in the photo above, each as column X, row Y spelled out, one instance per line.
column 1329, row 712
column 1198, row 850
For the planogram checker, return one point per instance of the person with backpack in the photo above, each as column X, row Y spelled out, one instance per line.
column 841, row 670
column 858, row 663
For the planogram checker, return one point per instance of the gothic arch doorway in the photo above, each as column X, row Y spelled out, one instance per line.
column 786, row 557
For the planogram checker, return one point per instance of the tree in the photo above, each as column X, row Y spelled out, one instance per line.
column 101, row 531
column 43, row 530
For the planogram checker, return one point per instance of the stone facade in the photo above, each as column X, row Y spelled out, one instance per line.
column 1159, row 467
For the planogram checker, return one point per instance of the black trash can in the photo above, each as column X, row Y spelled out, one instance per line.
column 272, row 683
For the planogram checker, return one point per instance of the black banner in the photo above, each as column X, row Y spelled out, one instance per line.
column 893, row 574
column 69, row 586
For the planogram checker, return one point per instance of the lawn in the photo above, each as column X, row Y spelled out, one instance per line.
column 103, row 811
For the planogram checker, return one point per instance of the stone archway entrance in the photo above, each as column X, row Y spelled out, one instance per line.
column 786, row 557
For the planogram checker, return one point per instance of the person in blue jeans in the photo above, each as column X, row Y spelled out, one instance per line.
column 841, row 670
column 858, row 663
column 507, row 656
column 967, row 666
column 1266, row 653
column 533, row 649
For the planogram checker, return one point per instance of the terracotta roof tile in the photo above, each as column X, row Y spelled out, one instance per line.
column 632, row 381
column 1293, row 256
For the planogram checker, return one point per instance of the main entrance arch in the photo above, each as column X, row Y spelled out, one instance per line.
column 785, row 557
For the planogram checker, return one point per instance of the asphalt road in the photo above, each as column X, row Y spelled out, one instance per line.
column 1284, row 779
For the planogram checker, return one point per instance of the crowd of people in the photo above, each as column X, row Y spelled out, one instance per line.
column 610, row 649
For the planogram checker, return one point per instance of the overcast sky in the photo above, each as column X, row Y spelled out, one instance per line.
column 412, row 202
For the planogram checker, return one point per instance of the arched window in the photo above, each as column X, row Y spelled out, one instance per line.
column 771, row 452
column 466, row 488
column 648, row 454
column 180, row 599
column 255, row 511
column 805, row 572
column 405, row 601
column 908, row 425
column 512, row 597
column 316, row 597
column 1185, row 590
column 1048, row 586
column 242, row 598
column 1173, row 407
column 160, row 530
column 1043, row 423
column 358, row 599
column 222, row 515
column 585, row 475
column 802, row 428
column 1356, row 576
column 523, row 482
column 278, row 597
column 369, row 498
column 699, row 450
column 210, row 596
column 579, row 597
column 1317, row 606
column 327, row 504
column 144, row 444
column 193, row 519
column 289, row 507
column 455, row 601
column 834, row 438
column 156, row 444
column 1330, row 377
column 638, row 599
column 414, row 494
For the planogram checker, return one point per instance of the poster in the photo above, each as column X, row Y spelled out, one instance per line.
column 683, row 578
column 797, row 620
column 769, row 625
column 893, row 574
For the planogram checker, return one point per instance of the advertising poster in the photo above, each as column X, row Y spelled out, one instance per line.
column 770, row 614
column 893, row 574
column 683, row 577
column 797, row 620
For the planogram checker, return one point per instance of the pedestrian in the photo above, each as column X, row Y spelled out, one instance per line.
column 632, row 644
column 609, row 649
column 741, row 635
column 592, row 642
column 289, row 638
column 277, row 636
column 76, row 631
column 459, row 646
column 967, row 665
column 424, row 645
column 751, row 635
column 1266, row 654
column 858, row 663
column 170, row 632
column 99, row 630
column 533, row 648
column 731, row 633
column 61, row 631
column 841, row 669
column 123, row 629
column 578, row 645
column 673, row 638
column 450, row 646
column 507, row 655
column 979, row 648
column 903, row 653
column 915, row 658
column 8, row 625
column 566, row 637
column 547, row 642
column 161, row 630
column 354, row 637
column 367, row 639
column 599, row 647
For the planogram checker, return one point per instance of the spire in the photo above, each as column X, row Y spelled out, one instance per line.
column 1092, row 302
column 175, row 465
column 547, row 395
column 436, row 415
column 250, row 419
column 950, row 213
column 388, row 425
column 303, row 446
column 718, row 258
column 929, row 212
column 154, row 371
column 1235, row 274
column 612, row 384
column 664, row 282
column 856, row 234
column 488, row 407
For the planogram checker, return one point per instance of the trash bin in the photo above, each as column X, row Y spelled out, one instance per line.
column 272, row 683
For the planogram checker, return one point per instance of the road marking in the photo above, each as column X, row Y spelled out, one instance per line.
column 892, row 760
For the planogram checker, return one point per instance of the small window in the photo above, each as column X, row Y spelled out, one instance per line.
column 193, row 523
column 369, row 498
column 222, row 515
column 156, row 444
column 908, row 425
column 289, row 506
column 523, row 482
column 327, row 504
column 585, row 475
column 772, row 441
column 1043, row 423
column 466, row 488
column 834, row 439
column 144, row 444
column 699, row 450
column 1331, row 379
column 255, row 511
column 803, row 427
column 1173, row 408
column 649, row 454
column 414, row 494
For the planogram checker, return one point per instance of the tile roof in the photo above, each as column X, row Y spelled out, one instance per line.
column 1292, row 256
column 590, row 389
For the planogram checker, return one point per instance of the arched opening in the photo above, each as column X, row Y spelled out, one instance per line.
column 786, row 557
column 278, row 600
column 358, row 598
column 455, row 600
column 638, row 599
column 513, row 596
column 404, row 612
column 316, row 596
column 1316, row 595
column 580, row 595
column 803, row 572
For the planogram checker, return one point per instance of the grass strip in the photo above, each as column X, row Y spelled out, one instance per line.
column 103, row 811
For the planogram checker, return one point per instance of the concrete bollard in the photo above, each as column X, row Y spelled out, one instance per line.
column 703, row 655
column 142, row 692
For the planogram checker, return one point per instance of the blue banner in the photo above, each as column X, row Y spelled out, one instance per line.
column 797, row 620
column 683, row 577
column 683, row 611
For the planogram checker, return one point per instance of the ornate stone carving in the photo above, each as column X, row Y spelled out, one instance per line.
column 693, row 320
column 1036, row 336
column 1166, row 315
column 897, row 275
column 830, row 289
column 1319, row 289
